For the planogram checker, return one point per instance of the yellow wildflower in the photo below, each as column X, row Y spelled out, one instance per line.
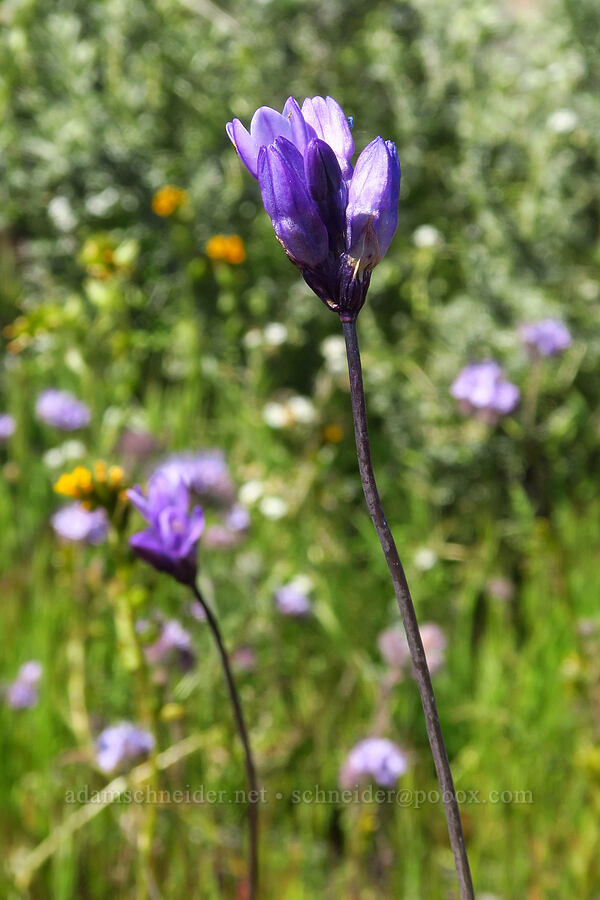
column 168, row 199
column 115, row 477
column 228, row 247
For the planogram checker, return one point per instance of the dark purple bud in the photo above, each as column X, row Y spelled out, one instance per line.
column 372, row 212
column 326, row 186
column 296, row 221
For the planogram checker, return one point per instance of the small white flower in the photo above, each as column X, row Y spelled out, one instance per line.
column 427, row 236
column 273, row 507
column 302, row 409
column 53, row 458
column 253, row 338
column 276, row 415
column 100, row 204
column 63, row 217
column 333, row 349
column 250, row 492
column 562, row 121
column 425, row 559
column 275, row 334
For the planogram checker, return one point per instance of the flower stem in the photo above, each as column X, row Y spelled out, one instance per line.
column 253, row 794
column 407, row 610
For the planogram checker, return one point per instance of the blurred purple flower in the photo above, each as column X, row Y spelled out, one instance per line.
column 120, row 743
column 204, row 473
column 244, row 659
column 196, row 611
column 550, row 337
column 61, row 409
column 170, row 544
column 173, row 638
column 335, row 224
column 23, row 692
column 481, row 388
column 393, row 646
column 375, row 758
column 75, row 523
column 7, row 426
column 291, row 601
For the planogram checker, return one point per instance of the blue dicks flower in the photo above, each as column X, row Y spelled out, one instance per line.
column 296, row 221
column 23, row 692
column 75, row 523
column 481, row 388
column 375, row 758
column 121, row 743
column 335, row 224
column 170, row 543
column 62, row 410
column 291, row 600
column 7, row 426
column 175, row 639
column 550, row 337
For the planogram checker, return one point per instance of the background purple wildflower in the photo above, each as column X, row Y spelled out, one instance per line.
column 393, row 646
column 170, row 544
column 22, row 693
column 75, row 523
column 7, row 426
column 550, row 337
column 62, row 410
column 292, row 601
column 376, row 758
column 481, row 388
column 120, row 743
column 173, row 639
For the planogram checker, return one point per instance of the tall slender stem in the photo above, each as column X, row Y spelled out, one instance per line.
column 407, row 610
column 253, row 795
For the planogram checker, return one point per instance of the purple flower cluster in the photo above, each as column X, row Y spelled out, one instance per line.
column 76, row 523
column 120, row 743
column 62, row 410
column 173, row 639
column 481, row 388
column 207, row 477
column 375, row 758
column 393, row 646
column 204, row 473
column 23, row 692
column 7, row 426
column 291, row 601
column 550, row 337
column 170, row 543
column 334, row 222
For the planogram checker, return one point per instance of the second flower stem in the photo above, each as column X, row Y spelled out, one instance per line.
column 253, row 795
column 407, row 611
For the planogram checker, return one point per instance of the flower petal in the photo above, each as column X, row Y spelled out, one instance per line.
column 331, row 125
column 372, row 211
column 295, row 218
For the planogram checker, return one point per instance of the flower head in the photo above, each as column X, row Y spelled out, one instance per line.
column 76, row 523
column 167, row 199
column 393, row 646
column 23, row 692
column 173, row 638
column 120, row 743
column 546, row 338
column 291, row 600
column 7, row 426
column 171, row 541
column 375, row 758
column 204, row 473
column 227, row 247
column 334, row 223
column 481, row 388
column 62, row 410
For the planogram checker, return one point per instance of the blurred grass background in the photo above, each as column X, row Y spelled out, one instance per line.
column 494, row 108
